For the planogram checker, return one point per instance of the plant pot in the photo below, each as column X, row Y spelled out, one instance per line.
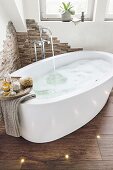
column 66, row 17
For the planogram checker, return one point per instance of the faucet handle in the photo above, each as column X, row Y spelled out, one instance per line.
column 40, row 43
column 47, row 41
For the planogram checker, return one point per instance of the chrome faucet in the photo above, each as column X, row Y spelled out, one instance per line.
column 42, row 42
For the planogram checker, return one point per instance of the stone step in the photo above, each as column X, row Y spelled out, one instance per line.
column 34, row 37
column 30, row 21
column 32, row 25
column 55, row 38
column 75, row 49
column 21, row 33
column 33, row 33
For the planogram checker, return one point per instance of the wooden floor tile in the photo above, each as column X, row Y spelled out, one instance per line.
column 108, row 109
column 10, row 165
column 105, row 125
column 106, row 146
column 82, row 149
column 68, row 165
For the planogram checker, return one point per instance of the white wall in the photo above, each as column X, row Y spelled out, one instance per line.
column 4, row 19
column 31, row 9
column 14, row 9
column 96, row 35
column 19, row 4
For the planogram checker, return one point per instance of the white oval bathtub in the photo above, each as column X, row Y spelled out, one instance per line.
column 47, row 119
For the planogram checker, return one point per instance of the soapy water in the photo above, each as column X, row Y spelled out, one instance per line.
column 70, row 78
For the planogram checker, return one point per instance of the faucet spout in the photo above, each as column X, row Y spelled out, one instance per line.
column 43, row 29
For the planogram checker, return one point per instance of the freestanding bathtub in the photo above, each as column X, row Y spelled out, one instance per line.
column 50, row 119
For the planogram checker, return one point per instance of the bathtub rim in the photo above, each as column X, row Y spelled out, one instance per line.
column 34, row 101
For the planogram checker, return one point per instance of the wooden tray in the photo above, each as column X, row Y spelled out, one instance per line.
column 21, row 93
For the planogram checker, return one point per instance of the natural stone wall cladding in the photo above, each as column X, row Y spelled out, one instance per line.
column 9, row 57
column 18, row 48
column 26, row 47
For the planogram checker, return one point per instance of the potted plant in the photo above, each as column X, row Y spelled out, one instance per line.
column 67, row 10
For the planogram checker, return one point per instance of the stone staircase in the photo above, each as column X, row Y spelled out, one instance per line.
column 26, row 47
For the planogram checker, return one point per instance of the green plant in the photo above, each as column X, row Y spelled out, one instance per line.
column 67, row 7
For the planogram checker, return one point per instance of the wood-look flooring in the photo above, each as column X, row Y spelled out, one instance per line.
column 89, row 148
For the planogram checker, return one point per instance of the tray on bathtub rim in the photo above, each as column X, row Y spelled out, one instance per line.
column 21, row 93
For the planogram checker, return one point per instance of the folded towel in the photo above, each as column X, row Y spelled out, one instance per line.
column 10, row 113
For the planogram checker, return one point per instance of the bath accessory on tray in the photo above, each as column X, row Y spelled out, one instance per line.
column 20, row 93
column 26, row 82
column 10, row 113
